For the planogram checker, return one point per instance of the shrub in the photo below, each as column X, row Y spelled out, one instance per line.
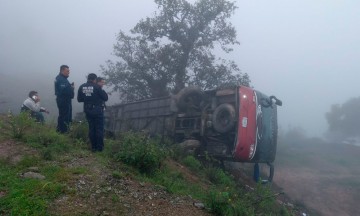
column 219, row 177
column 192, row 163
column 228, row 202
column 264, row 199
column 218, row 202
column 16, row 125
column 79, row 131
column 140, row 151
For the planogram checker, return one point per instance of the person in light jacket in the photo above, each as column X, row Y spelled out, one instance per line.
column 32, row 105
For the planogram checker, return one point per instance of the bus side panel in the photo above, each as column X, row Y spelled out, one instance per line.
column 153, row 116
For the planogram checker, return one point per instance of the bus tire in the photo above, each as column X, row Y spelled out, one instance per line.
column 189, row 97
column 223, row 118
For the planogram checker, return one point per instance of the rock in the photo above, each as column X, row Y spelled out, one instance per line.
column 199, row 205
column 33, row 169
column 189, row 146
column 290, row 205
column 33, row 175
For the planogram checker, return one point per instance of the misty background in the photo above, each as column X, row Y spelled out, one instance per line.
column 303, row 52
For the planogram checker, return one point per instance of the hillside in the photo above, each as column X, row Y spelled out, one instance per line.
column 92, row 188
column 44, row 173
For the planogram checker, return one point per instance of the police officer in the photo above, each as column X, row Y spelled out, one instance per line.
column 93, row 97
column 64, row 92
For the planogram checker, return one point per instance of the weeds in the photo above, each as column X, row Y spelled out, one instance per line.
column 15, row 126
column 79, row 131
column 191, row 162
column 176, row 183
column 138, row 150
column 225, row 203
column 48, row 141
column 219, row 177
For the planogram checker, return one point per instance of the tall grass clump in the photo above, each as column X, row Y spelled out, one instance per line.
column 138, row 150
column 79, row 131
column 219, row 176
column 192, row 163
column 48, row 141
column 228, row 203
column 16, row 126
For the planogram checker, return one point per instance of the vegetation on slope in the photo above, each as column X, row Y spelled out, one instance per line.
column 75, row 179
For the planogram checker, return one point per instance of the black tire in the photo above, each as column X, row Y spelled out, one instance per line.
column 223, row 118
column 189, row 97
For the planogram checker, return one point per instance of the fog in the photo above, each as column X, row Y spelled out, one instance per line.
column 301, row 51
column 304, row 52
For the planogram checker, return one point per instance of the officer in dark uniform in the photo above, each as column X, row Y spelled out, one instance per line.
column 64, row 92
column 93, row 97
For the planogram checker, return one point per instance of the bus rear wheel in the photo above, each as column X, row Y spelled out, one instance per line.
column 223, row 119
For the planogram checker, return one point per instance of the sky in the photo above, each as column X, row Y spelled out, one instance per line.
column 304, row 52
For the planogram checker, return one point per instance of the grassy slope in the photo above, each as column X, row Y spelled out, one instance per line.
column 115, row 182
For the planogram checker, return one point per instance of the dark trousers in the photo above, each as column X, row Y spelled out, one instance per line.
column 96, row 130
column 64, row 117
column 38, row 116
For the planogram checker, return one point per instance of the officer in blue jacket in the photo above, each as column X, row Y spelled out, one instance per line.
column 94, row 98
column 64, row 92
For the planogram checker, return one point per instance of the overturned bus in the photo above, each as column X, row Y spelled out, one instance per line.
column 231, row 124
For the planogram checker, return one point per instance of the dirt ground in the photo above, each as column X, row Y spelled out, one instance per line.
column 325, row 179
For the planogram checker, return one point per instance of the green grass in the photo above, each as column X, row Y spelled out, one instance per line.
column 192, row 163
column 25, row 196
column 139, row 151
column 175, row 183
